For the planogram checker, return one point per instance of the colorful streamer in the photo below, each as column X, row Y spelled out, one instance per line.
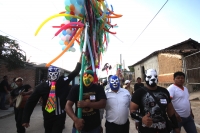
column 87, row 22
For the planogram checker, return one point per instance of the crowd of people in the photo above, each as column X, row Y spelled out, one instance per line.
column 153, row 108
column 12, row 92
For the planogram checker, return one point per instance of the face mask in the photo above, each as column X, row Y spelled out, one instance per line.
column 53, row 73
column 114, row 83
column 88, row 78
column 151, row 77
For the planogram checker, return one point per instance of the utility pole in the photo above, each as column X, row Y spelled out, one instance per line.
column 120, row 59
column 124, row 64
column 120, row 63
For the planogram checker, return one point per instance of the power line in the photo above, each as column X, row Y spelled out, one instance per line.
column 54, row 5
column 28, row 26
column 23, row 42
column 150, row 22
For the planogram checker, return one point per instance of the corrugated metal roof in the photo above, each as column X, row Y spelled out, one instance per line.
column 178, row 44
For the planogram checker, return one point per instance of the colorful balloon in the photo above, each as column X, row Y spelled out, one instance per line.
column 64, row 32
column 61, row 42
column 68, row 37
column 70, row 25
column 54, row 16
column 68, row 46
column 95, row 19
column 80, row 2
column 73, row 2
column 69, row 31
column 66, row 21
column 67, row 2
column 98, row 14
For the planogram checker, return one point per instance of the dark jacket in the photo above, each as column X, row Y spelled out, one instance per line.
column 43, row 89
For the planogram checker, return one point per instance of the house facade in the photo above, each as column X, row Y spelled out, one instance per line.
column 167, row 61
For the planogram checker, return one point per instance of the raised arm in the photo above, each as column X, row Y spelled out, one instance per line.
column 75, row 72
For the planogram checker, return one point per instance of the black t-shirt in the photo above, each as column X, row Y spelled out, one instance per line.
column 91, row 116
column 23, row 88
column 3, row 83
column 138, row 86
column 147, row 104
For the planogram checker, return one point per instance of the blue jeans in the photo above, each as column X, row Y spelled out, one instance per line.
column 188, row 124
column 3, row 99
column 96, row 130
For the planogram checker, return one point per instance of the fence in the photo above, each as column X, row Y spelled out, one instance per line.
column 129, row 75
column 192, row 71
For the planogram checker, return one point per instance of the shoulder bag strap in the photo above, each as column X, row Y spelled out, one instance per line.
column 156, row 100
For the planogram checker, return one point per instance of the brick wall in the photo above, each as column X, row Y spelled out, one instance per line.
column 165, row 78
column 28, row 74
column 139, row 69
column 168, row 64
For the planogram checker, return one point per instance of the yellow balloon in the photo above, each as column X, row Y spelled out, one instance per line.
column 54, row 16
column 68, row 46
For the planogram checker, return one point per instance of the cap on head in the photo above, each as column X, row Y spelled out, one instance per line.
column 89, row 72
column 127, row 82
column 19, row 78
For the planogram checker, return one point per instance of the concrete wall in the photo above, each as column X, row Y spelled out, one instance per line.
column 138, row 71
column 168, row 64
column 150, row 63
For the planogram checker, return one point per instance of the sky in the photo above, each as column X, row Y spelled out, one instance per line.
column 177, row 21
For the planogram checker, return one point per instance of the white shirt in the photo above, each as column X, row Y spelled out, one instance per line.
column 117, row 106
column 107, row 87
column 180, row 100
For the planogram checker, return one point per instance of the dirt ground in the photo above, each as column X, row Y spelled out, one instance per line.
column 195, row 104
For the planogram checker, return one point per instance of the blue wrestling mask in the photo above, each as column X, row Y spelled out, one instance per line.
column 114, row 83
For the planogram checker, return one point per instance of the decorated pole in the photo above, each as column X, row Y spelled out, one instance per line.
column 88, row 24
column 81, row 86
column 82, row 71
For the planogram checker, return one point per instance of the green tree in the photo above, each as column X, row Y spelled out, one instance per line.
column 11, row 53
column 131, row 68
